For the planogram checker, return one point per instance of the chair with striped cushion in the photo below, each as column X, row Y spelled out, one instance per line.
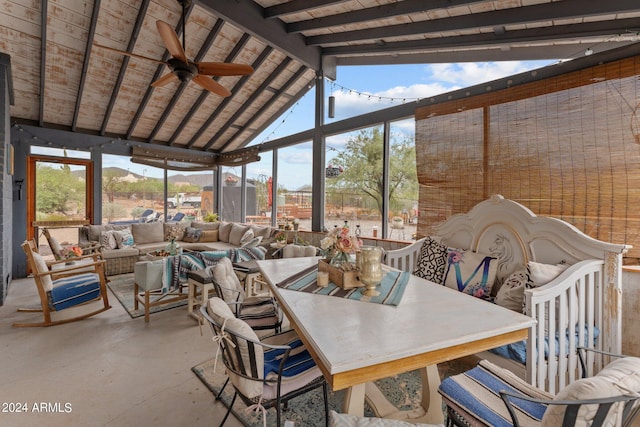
column 488, row 395
column 264, row 373
column 260, row 312
column 67, row 292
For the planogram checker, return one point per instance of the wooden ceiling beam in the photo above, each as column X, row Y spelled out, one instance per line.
column 234, row 91
column 85, row 64
column 254, row 96
column 489, row 40
column 281, row 92
column 249, row 16
column 406, row 7
column 498, row 18
column 125, row 63
column 43, row 60
column 296, row 6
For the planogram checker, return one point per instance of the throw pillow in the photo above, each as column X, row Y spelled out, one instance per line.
column 236, row 233
column 124, row 238
column 470, row 272
column 511, row 293
column 192, row 235
column 209, row 236
column 253, row 242
column 173, row 231
column 41, row 267
column 432, row 261
column 108, row 240
column 246, row 237
column 541, row 274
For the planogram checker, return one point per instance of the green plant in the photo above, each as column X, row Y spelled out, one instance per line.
column 211, row 217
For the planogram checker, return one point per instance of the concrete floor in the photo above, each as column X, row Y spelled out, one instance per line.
column 108, row 370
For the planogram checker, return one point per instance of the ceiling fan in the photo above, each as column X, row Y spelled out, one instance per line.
column 184, row 70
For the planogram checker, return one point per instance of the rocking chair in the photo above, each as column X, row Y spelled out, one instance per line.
column 67, row 292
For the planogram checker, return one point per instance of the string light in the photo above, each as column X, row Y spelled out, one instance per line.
column 373, row 97
column 273, row 132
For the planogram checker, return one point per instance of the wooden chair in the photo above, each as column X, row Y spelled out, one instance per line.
column 67, row 292
column 490, row 395
column 57, row 248
column 267, row 372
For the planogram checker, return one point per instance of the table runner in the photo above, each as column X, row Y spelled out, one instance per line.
column 391, row 288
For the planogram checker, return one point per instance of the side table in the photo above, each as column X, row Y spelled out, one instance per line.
column 198, row 297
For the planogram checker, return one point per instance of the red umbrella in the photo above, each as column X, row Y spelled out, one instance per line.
column 270, row 191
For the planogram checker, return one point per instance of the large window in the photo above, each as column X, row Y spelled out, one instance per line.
column 293, row 201
column 354, row 181
column 259, row 185
column 403, row 181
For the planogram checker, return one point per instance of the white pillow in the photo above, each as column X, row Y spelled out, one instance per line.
column 246, row 237
column 540, row 275
column 108, row 239
column 511, row 293
column 41, row 267
column 249, row 388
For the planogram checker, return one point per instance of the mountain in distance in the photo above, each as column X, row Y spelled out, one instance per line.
column 201, row 179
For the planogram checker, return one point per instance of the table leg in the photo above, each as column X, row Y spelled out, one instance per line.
column 430, row 411
column 354, row 400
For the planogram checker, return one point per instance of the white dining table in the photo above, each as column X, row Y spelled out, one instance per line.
column 356, row 342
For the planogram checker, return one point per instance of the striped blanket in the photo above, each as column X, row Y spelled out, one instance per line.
column 391, row 288
column 175, row 268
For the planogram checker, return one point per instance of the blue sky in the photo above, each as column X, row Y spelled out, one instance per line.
column 361, row 89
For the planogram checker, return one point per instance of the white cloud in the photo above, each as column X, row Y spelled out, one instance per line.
column 472, row 73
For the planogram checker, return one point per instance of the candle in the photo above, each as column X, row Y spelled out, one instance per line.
column 323, row 279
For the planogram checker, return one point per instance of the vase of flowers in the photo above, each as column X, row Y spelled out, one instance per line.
column 339, row 245
column 70, row 252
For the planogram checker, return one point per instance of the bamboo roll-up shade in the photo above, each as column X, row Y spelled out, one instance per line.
column 570, row 152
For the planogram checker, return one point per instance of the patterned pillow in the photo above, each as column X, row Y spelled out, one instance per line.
column 173, row 231
column 252, row 243
column 192, row 235
column 511, row 293
column 246, row 237
column 124, row 238
column 108, row 240
column 431, row 261
column 470, row 272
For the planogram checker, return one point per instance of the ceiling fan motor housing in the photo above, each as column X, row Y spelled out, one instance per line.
column 183, row 70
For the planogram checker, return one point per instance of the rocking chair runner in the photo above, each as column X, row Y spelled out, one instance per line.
column 67, row 292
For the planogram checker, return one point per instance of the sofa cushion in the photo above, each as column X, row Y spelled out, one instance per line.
column 259, row 230
column 224, row 230
column 236, row 233
column 108, row 239
column 205, row 225
column 209, row 236
column 148, row 232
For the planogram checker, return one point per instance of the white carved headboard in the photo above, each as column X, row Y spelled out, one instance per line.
column 513, row 233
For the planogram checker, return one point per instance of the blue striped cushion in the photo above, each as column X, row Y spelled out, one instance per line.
column 477, row 392
column 297, row 362
column 74, row 290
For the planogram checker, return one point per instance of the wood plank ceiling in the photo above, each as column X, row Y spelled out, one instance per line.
column 62, row 79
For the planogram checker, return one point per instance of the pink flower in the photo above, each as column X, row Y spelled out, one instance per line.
column 455, row 256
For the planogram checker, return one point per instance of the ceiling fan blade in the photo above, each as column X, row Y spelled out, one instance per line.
column 223, row 69
column 211, row 85
column 165, row 80
column 171, row 41
column 133, row 55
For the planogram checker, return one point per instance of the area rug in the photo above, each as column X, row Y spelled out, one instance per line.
column 122, row 287
column 404, row 391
